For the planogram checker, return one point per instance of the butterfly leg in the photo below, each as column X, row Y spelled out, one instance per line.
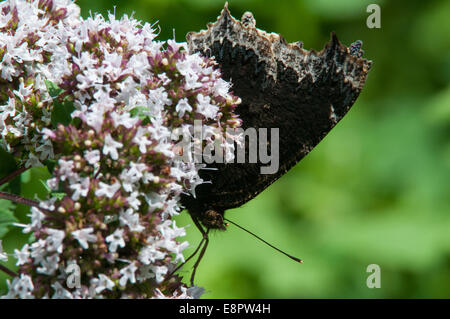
column 189, row 258
column 202, row 252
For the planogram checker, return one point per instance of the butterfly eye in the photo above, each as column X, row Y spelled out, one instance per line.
column 213, row 219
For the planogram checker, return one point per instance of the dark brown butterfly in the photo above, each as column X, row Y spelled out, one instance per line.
column 302, row 93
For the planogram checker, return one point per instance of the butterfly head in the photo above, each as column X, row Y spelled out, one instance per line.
column 212, row 219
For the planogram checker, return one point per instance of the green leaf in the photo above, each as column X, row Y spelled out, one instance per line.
column 7, row 163
column 140, row 111
column 7, row 166
column 61, row 112
column 53, row 89
column 61, row 109
column 59, row 196
column 50, row 165
column 6, row 216
column 45, row 185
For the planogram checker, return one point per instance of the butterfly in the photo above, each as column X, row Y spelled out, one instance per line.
column 303, row 94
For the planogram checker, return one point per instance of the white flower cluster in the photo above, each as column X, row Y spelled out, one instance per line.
column 117, row 165
column 31, row 32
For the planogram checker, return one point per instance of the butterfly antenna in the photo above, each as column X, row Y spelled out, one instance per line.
column 265, row 242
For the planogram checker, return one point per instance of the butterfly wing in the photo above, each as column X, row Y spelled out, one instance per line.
column 302, row 93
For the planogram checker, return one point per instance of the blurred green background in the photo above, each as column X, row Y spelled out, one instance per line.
column 376, row 190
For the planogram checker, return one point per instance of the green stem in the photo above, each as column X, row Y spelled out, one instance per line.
column 19, row 199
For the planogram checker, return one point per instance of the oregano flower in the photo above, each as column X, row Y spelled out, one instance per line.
column 101, row 99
